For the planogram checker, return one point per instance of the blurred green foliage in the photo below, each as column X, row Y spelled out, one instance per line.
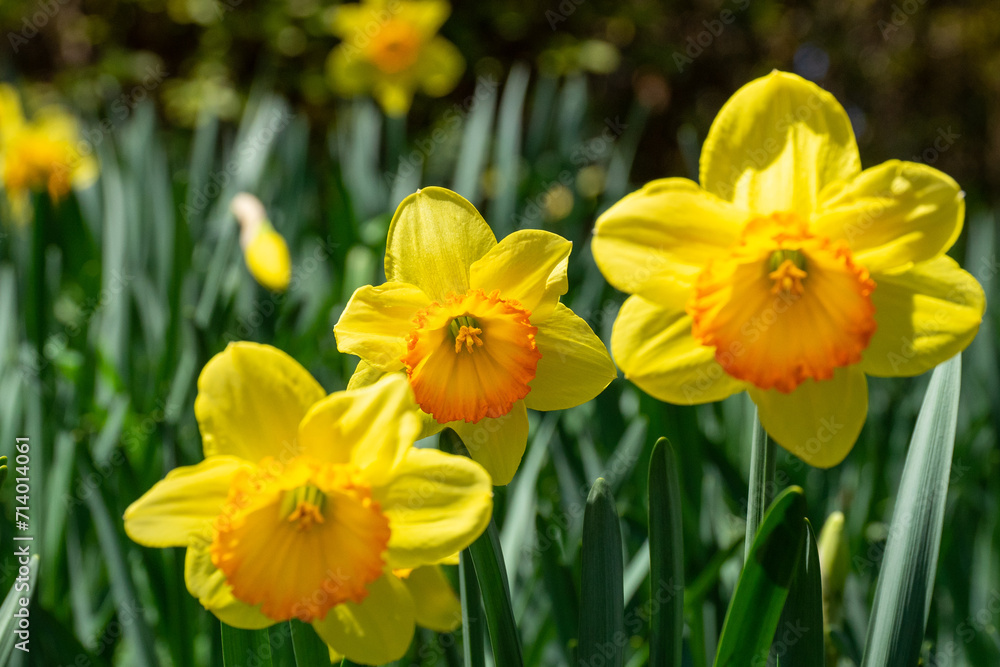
column 112, row 301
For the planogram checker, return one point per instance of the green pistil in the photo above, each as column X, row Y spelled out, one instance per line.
column 308, row 493
column 463, row 321
column 778, row 258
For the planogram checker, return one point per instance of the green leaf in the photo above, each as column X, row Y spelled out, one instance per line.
column 11, row 605
column 666, row 558
column 763, row 453
column 476, row 135
column 487, row 559
column 906, row 581
column 472, row 613
column 559, row 584
column 799, row 639
column 310, row 650
column 602, row 614
column 760, row 594
column 122, row 586
column 240, row 647
column 507, row 150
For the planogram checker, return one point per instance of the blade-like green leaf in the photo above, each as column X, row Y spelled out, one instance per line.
column 487, row 559
column 122, row 587
column 763, row 453
column 476, row 135
column 472, row 613
column 558, row 580
column 241, row 647
column 760, row 594
column 602, row 614
column 799, row 639
column 906, row 581
column 310, row 650
column 508, row 149
column 666, row 558
column 11, row 606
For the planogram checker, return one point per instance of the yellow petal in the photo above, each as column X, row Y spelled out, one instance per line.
column 449, row 560
column 894, row 215
column 437, row 606
column 268, row 260
column 364, row 375
column 85, row 171
column 925, row 316
column 394, row 94
column 208, row 584
column 528, row 266
column 251, row 399
column 375, row 322
column 776, row 144
column 654, row 348
column 429, row 425
column 659, row 238
column 436, row 503
column 347, row 73
column 498, row 443
column 371, row 428
column 427, row 16
column 57, row 124
column 183, row 504
column 348, row 21
column 439, row 67
column 11, row 116
column 434, row 238
column 819, row 422
column 376, row 631
column 575, row 366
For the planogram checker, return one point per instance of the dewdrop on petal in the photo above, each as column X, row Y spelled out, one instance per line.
column 264, row 249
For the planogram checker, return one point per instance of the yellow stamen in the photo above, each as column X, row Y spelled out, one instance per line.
column 787, row 278
column 305, row 515
column 469, row 336
column 753, row 307
column 303, row 506
column 300, row 538
column 452, row 386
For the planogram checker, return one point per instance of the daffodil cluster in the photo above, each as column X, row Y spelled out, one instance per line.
column 315, row 507
column 41, row 154
column 788, row 272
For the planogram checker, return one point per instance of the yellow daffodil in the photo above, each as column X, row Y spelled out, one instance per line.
column 305, row 505
column 475, row 325
column 391, row 49
column 41, row 154
column 264, row 249
column 790, row 272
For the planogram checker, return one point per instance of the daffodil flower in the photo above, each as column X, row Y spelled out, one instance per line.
column 789, row 272
column 41, row 154
column 305, row 505
column 475, row 325
column 391, row 49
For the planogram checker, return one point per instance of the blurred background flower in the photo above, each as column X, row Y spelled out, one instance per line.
column 43, row 153
column 563, row 107
column 390, row 49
